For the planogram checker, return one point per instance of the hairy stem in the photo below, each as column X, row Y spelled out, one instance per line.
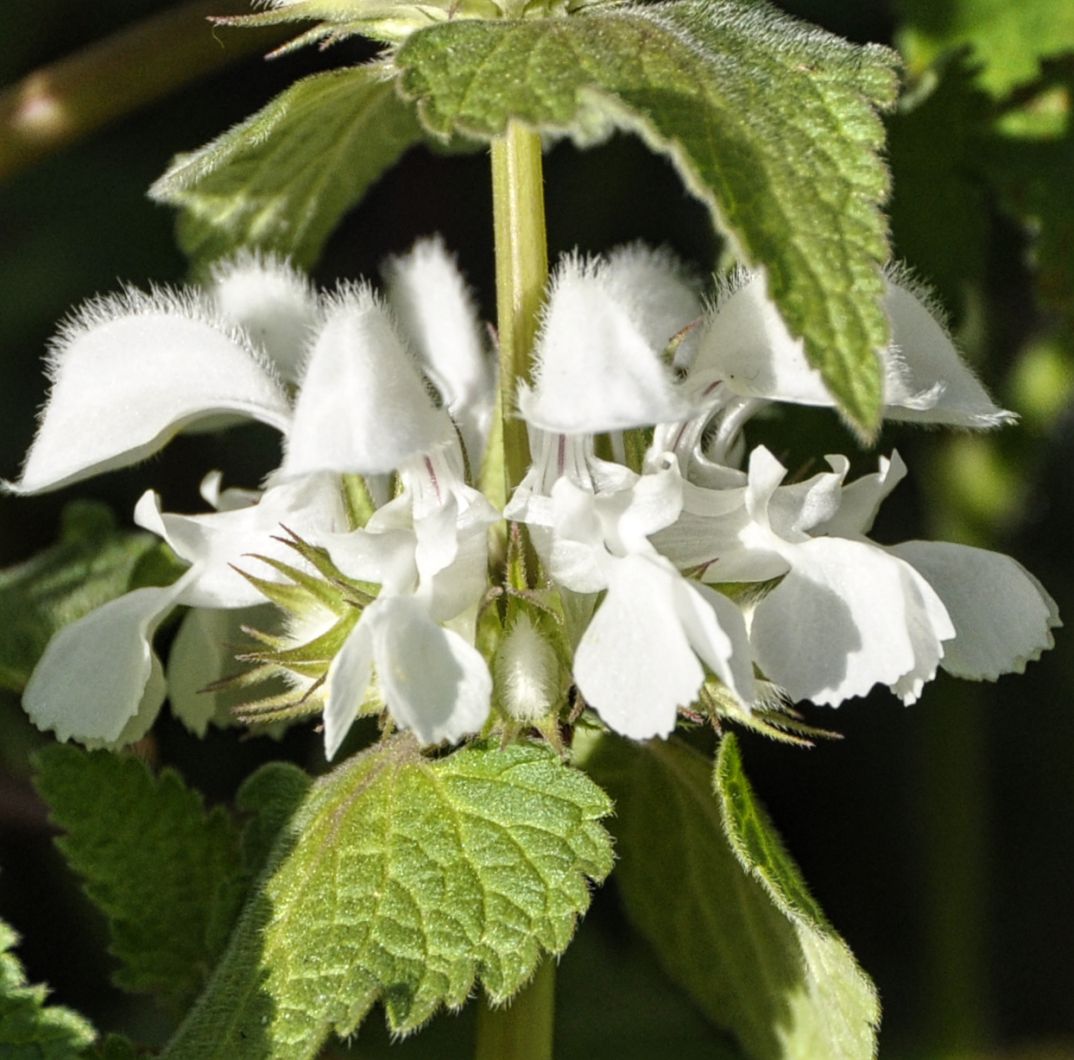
column 58, row 104
column 523, row 1029
column 521, row 275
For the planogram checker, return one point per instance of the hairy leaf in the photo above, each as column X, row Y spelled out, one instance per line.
column 92, row 563
column 282, row 179
column 707, row 881
column 404, row 880
column 164, row 872
column 30, row 1029
column 1008, row 39
column 770, row 123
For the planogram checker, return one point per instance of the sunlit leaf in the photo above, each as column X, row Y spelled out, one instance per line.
column 404, row 880
column 771, row 123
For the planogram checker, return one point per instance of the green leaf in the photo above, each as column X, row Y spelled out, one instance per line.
column 282, row 179
column 708, row 882
column 1008, row 39
column 404, row 880
column 92, row 563
column 771, row 124
column 30, row 1029
column 165, row 873
column 272, row 796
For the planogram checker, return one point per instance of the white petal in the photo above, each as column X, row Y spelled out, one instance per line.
column 436, row 314
column 384, row 557
column 846, row 617
column 215, row 542
column 435, row 684
column 574, row 552
column 204, row 652
column 129, row 372
column 634, row 664
column 717, row 632
column 938, row 386
column 142, row 720
column 273, row 303
column 860, row 501
column 630, row 516
column 348, row 679
column 225, row 500
column 1002, row 615
column 363, row 407
column 654, row 285
column 98, row 673
column 596, row 369
column 454, row 571
column 745, row 343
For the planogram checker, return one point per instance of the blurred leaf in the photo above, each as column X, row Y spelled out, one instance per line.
column 282, row 179
column 116, row 1047
column 30, row 1029
column 707, row 882
column 92, row 563
column 1032, row 174
column 939, row 205
column 1008, row 39
column 164, row 872
column 404, row 879
column 770, row 123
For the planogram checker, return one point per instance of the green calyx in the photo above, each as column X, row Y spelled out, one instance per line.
column 319, row 605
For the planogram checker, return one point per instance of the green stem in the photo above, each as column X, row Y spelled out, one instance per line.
column 521, row 276
column 61, row 103
column 523, row 1029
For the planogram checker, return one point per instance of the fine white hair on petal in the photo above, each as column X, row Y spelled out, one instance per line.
column 436, row 313
column 595, row 367
column 938, row 386
column 363, row 406
column 273, row 302
column 662, row 294
column 746, row 344
column 131, row 370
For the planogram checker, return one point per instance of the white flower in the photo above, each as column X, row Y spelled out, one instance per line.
column 131, row 371
column 844, row 614
column 597, row 364
column 745, row 345
column 427, row 549
column 598, row 369
column 848, row 614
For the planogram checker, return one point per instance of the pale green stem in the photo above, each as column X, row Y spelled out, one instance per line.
column 521, row 276
column 61, row 103
column 523, row 1029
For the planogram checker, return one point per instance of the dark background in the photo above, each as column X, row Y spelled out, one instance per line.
column 937, row 838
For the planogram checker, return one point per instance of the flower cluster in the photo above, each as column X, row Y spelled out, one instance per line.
column 669, row 564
